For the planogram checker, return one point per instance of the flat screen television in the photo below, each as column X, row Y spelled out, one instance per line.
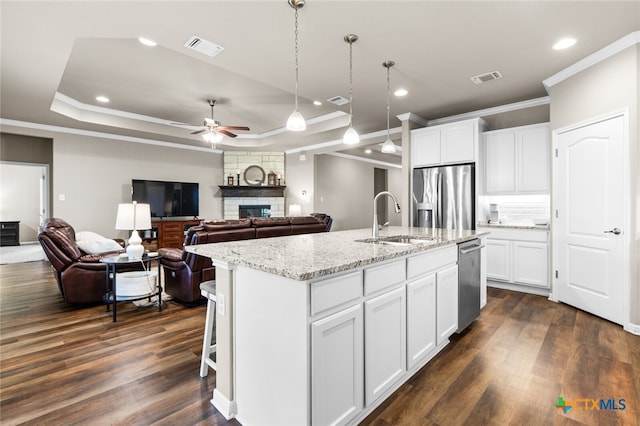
column 167, row 199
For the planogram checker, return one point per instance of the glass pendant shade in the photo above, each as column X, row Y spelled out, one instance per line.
column 296, row 122
column 351, row 137
column 388, row 147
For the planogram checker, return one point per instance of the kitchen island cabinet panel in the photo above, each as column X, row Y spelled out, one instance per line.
column 421, row 319
column 384, row 342
column 337, row 367
column 447, row 303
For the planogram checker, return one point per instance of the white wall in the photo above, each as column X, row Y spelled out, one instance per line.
column 344, row 190
column 94, row 175
column 300, row 183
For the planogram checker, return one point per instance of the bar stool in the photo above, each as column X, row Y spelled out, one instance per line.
column 208, row 290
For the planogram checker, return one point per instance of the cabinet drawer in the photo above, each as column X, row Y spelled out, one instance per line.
column 383, row 276
column 333, row 292
column 431, row 260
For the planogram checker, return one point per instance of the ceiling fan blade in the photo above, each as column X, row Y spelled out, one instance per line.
column 224, row 132
column 197, row 132
column 235, row 127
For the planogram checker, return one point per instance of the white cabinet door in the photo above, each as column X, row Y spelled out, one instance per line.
column 499, row 165
column 458, row 144
column 421, row 319
column 447, row 302
column 337, row 362
column 498, row 259
column 532, row 151
column 530, row 263
column 425, row 147
column 385, row 342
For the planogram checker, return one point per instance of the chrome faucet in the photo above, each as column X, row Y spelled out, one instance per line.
column 375, row 228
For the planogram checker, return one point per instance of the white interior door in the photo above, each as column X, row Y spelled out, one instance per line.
column 589, row 196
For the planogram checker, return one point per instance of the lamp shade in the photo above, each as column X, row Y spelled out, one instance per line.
column 133, row 216
column 296, row 122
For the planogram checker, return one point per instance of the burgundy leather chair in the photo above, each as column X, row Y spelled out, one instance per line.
column 81, row 277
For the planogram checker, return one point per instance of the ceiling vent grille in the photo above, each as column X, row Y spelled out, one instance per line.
column 483, row 78
column 203, row 46
column 338, row 100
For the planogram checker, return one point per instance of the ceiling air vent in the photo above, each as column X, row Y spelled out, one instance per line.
column 203, row 46
column 483, row 78
column 338, row 100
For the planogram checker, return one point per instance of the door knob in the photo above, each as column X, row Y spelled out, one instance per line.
column 614, row 231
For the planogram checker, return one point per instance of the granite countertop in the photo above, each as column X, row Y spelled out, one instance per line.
column 308, row 256
column 513, row 225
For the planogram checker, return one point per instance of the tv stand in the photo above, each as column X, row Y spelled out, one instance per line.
column 171, row 231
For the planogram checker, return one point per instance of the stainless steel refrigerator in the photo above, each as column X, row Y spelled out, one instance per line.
column 443, row 197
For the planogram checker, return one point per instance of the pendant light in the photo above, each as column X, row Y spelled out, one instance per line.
column 296, row 121
column 351, row 137
column 388, row 147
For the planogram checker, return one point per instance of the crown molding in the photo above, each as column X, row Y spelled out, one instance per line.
column 593, row 59
column 364, row 160
column 410, row 116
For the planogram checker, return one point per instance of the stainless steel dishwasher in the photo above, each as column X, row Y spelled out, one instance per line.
column 468, row 282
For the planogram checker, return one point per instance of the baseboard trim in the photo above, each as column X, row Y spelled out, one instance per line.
column 632, row 328
column 517, row 287
column 227, row 408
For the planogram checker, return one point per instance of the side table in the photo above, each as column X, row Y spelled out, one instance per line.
column 111, row 295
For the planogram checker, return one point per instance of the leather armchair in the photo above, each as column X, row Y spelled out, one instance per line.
column 80, row 276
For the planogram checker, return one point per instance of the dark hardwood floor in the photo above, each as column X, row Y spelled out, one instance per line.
column 67, row 365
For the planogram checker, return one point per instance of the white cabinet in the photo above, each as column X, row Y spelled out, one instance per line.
column 337, row 367
column 516, row 160
column 421, row 318
column 447, row 302
column 518, row 256
column 530, row 263
column 384, row 342
column 446, row 143
column 498, row 259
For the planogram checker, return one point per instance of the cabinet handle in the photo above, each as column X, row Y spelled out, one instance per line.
column 614, row 231
column 472, row 249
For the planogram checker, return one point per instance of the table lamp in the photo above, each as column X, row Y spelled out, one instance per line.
column 133, row 217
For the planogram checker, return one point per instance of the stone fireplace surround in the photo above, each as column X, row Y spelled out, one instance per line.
column 235, row 161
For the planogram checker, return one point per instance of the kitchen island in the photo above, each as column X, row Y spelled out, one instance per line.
column 320, row 329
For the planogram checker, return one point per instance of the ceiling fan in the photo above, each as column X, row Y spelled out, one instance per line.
column 214, row 129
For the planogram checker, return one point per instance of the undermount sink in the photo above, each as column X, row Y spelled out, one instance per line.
column 398, row 240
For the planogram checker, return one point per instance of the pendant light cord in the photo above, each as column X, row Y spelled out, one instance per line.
column 388, row 101
column 296, row 55
column 351, row 84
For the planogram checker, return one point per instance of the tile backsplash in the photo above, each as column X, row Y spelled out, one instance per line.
column 515, row 208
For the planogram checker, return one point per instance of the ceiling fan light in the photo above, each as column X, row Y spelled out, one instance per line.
column 351, row 137
column 388, row 147
column 212, row 137
column 296, row 122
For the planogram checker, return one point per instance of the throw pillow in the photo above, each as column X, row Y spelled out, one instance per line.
column 98, row 246
column 88, row 236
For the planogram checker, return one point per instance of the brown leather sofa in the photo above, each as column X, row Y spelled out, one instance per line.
column 183, row 271
column 81, row 277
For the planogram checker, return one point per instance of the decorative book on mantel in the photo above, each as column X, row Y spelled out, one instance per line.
column 252, row 191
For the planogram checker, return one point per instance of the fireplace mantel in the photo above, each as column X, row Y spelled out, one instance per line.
column 251, row 191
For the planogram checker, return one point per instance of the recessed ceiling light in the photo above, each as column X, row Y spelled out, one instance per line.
column 317, row 103
column 367, row 151
column 102, row 99
column 147, row 42
column 401, row 92
column 564, row 43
